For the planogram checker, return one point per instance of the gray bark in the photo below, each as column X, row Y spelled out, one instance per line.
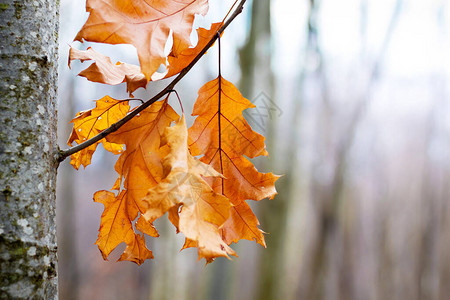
column 28, row 83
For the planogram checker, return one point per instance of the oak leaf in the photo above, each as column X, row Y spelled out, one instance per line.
column 178, row 62
column 201, row 210
column 102, row 70
column 88, row 124
column 221, row 134
column 116, row 227
column 205, row 198
column 143, row 24
column 139, row 168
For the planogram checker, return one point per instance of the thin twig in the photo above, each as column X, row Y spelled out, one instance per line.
column 63, row 154
column 229, row 11
column 131, row 99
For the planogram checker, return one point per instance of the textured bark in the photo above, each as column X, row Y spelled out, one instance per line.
column 28, row 81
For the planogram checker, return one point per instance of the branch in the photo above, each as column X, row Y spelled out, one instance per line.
column 63, row 154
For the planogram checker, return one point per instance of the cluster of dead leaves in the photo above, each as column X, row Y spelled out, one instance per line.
column 158, row 171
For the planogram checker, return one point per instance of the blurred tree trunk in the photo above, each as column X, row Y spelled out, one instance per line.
column 66, row 214
column 257, row 77
column 255, row 54
column 28, row 148
column 311, row 285
column 166, row 272
column 333, row 229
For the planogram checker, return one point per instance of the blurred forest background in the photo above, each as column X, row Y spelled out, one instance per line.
column 353, row 98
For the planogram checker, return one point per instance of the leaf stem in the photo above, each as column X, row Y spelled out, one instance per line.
column 179, row 99
column 63, row 154
column 220, row 109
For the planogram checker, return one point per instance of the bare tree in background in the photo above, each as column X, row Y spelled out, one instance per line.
column 67, row 226
column 257, row 77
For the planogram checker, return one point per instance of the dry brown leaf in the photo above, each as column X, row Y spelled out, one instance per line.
column 221, row 134
column 143, row 24
column 140, row 168
column 178, row 63
column 201, row 210
column 116, row 227
column 204, row 198
column 102, row 70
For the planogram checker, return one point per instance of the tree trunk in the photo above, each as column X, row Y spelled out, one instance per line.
column 257, row 77
column 28, row 83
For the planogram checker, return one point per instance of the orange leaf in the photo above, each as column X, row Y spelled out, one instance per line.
column 141, row 167
column 136, row 251
column 178, row 63
column 116, row 228
column 222, row 135
column 202, row 210
column 88, row 124
column 143, row 24
column 104, row 71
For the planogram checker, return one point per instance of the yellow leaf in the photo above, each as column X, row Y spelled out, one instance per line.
column 88, row 124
